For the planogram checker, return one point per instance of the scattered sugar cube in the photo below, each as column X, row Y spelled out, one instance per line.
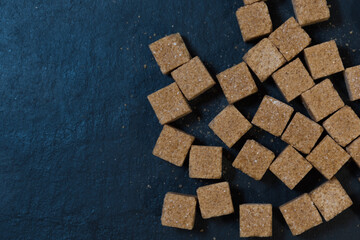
column 248, row 2
column 205, row 162
column 309, row 12
column 352, row 80
column 255, row 220
column 354, row 150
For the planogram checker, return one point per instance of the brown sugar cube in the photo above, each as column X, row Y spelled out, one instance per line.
column 331, row 199
column 272, row 116
column 173, row 145
column 237, row 83
column 215, row 200
column 253, row 159
column 169, row 104
column 193, row 78
column 302, row 133
column 323, row 59
column 301, row 214
column 255, row 220
column 310, row 12
column 230, row 125
column 321, row 100
column 290, row 167
column 328, row 157
column 354, row 150
column 254, row 21
column 352, row 80
column 293, row 80
column 170, row 52
column 205, row 162
column 248, row 2
column 264, row 59
column 290, row 38
column 178, row 211
column 343, row 126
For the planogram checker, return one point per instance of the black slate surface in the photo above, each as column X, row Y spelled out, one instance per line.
column 77, row 131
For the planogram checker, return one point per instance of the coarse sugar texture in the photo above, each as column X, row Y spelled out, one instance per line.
column 290, row 38
column 302, row 133
column 301, row 214
column 169, row 104
column 354, row 150
column 205, row 162
column 253, row 159
column 215, row 200
column 248, row 2
column 290, row 167
column 343, row 126
column 193, row 78
column 272, row 115
column 328, row 157
column 179, row 211
column 323, row 59
column 331, row 199
column 309, row 12
column 237, row 83
column 173, row 145
column 230, row 125
column 170, row 52
column 321, row 100
column 352, row 80
column 293, row 79
column 255, row 220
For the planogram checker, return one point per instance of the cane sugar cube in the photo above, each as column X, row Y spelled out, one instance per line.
column 179, row 211
column 323, row 59
column 328, row 157
column 354, row 150
column 331, row 199
column 253, row 159
column 215, row 200
column 290, row 38
column 205, row 162
column 230, row 125
column 309, row 12
column 170, row 52
column 169, row 104
column 248, row 2
column 290, row 167
column 264, row 59
column 254, row 21
column 237, row 83
column 301, row 214
column 255, row 220
column 272, row 116
column 322, row 100
column 352, row 80
column 302, row 133
column 293, row 80
column 173, row 145
column 343, row 126
column 193, row 78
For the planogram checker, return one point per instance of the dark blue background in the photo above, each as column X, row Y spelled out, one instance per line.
column 77, row 130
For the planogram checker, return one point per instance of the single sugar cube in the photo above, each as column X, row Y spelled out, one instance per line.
column 290, row 38
column 301, row 214
column 343, row 126
column 354, row 150
column 193, row 78
column 255, row 220
column 254, row 21
column 352, row 80
column 179, row 211
column 302, row 133
column 169, row 104
column 328, row 157
column 323, row 59
column 310, row 12
column 248, row 2
column 230, row 125
column 253, row 159
column 272, row 115
column 264, row 59
column 331, row 199
column 237, row 83
column 321, row 100
column 290, row 167
column 215, row 200
column 170, row 52
column 293, row 80
column 205, row 162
